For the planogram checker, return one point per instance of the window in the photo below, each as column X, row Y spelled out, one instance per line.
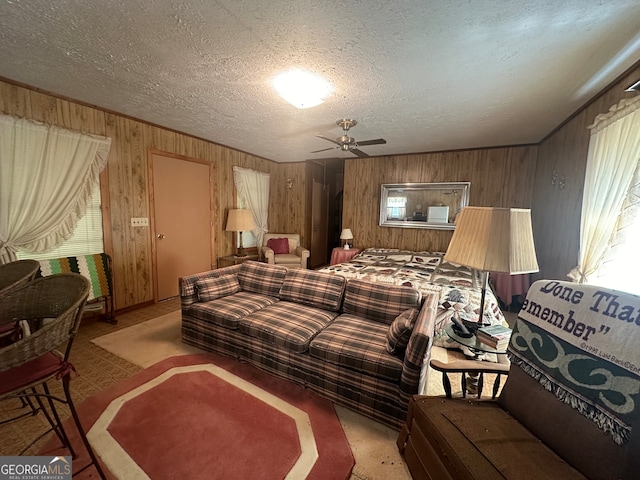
column 610, row 221
column 396, row 207
column 620, row 269
column 87, row 238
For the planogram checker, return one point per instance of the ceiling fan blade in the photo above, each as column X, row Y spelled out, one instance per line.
column 323, row 150
column 329, row 139
column 359, row 153
column 377, row 141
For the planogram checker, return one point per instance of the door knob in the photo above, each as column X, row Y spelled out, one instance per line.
column 160, row 236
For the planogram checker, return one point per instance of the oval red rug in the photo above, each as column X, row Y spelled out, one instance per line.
column 209, row 417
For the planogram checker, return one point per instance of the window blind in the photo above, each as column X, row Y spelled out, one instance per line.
column 87, row 238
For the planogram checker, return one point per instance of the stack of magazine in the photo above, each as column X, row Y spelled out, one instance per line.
column 494, row 336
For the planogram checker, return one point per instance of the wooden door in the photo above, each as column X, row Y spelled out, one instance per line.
column 319, row 224
column 181, row 220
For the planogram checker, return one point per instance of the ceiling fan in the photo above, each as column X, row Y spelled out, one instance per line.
column 347, row 143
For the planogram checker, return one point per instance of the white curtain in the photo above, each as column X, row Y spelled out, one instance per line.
column 614, row 155
column 46, row 174
column 621, row 262
column 253, row 187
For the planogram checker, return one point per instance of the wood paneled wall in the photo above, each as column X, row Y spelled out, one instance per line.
column 128, row 187
column 556, row 212
column 500, row 177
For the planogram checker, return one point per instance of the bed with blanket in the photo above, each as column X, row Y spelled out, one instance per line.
column 458, row 287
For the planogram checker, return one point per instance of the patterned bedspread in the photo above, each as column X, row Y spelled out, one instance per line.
column 458, row 287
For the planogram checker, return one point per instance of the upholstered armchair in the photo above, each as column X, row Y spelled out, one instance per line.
column 284, row 249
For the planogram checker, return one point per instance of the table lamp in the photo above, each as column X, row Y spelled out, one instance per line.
column 346, row 235
column 240, row 220
column 493, row 239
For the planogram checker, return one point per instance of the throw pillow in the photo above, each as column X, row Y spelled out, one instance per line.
column 278, row 245
column 400, row 331
column 213, row 288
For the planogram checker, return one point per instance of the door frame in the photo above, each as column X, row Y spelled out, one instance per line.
column 152, row 210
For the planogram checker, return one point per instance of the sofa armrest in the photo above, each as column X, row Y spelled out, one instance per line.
column 267, row 253
column 418, row 352
column 187, row 284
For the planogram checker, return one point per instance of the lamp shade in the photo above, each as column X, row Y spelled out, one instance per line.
column 240, row 220
column 346, row 234
column 494, row 240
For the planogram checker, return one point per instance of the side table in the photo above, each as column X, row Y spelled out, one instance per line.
column 340, row 255
column 474, row 368
column 229, row 260
column 509, row 286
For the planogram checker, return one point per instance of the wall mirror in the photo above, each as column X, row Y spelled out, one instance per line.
column 422, row 205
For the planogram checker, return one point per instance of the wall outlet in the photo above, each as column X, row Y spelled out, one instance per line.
column 139, row 222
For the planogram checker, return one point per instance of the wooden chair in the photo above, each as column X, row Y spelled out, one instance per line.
column 476, row 368
column 53, row 307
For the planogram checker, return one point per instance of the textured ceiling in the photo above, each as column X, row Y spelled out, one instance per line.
column 424, row 75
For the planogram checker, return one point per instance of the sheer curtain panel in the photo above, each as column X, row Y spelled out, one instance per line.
column 253, row 187
column 614, row 155
column 46, row 174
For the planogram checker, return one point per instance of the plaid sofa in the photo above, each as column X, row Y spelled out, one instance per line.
column 320, row 330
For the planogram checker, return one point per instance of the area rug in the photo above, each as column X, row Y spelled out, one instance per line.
column 206, row 416
column 148, row 342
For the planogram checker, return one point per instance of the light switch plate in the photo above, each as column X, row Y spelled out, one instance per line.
column 139, row 222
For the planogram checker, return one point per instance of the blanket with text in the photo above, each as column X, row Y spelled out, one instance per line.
column 581, row 343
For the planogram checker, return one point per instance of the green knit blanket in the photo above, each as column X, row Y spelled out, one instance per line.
column 96, row 268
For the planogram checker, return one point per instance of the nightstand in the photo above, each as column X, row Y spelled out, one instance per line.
column 229, row 260
column 340, row 255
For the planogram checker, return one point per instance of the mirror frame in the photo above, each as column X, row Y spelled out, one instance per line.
column 462, row 188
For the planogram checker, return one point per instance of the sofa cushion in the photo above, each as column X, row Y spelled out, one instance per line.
column 261, row 278
column 286, row 324
column 399, row 331
column 320, row 290
column 213, row 288
column 379, row 302
column 278, row 245
column 227, row 311
column 357, row 344
column 287, row 259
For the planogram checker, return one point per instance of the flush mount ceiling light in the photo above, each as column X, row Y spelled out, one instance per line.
column 301, row 89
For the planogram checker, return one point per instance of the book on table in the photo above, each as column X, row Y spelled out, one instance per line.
column 495, row 336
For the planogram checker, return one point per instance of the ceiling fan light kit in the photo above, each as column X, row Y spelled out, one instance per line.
column 347, row 143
